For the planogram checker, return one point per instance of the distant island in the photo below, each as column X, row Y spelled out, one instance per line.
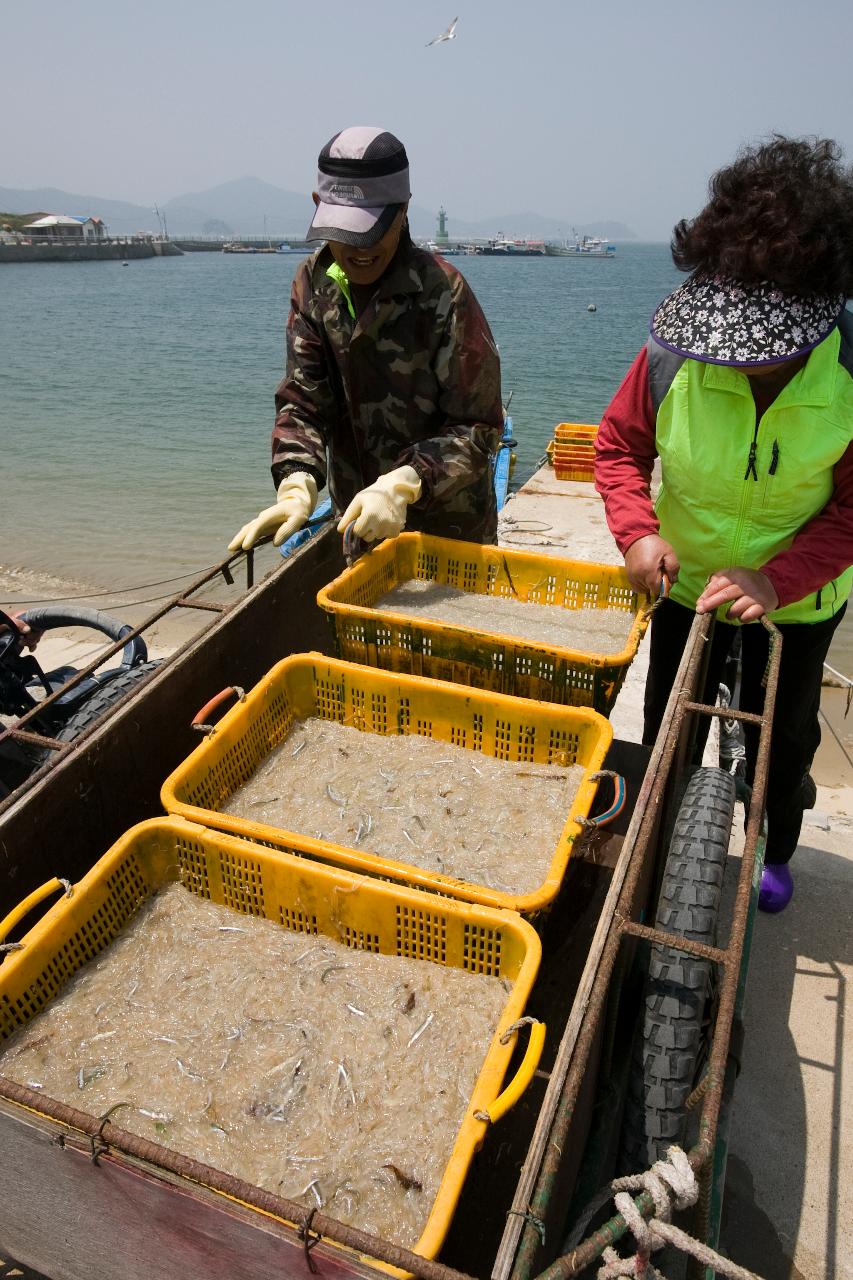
column 251, row 208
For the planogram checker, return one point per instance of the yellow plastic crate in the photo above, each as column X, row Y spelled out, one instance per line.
column 305, row 897
column 485, row 660
column 380, row 702
column 575, row 432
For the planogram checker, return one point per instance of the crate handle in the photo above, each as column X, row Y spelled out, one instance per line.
column 199, row 721
column 519, row 1082
column 23, row 908
column 603, row 819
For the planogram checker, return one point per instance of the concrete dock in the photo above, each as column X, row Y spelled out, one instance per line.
column 788, row 1209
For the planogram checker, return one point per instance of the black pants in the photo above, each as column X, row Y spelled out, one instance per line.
column 796, row 731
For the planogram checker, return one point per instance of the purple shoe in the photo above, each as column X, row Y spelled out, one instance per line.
column 777, row 887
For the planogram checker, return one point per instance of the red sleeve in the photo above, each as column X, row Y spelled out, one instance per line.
column 625, row 454
column 823, row 548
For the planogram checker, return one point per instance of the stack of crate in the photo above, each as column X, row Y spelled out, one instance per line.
column 572, row 450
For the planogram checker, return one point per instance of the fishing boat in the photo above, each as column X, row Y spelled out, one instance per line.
column 582, row 247
column 73, row 1183
column 504, row 247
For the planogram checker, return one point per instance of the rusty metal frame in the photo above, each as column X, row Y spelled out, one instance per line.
column 522, row 1240
column 181, row 600
column 678, row 728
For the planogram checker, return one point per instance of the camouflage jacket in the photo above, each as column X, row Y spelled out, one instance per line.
column 414, row 380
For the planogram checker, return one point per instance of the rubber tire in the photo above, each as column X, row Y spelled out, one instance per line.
column 102, row 700
column 669, row 1035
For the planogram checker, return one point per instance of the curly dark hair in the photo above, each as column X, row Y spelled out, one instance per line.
column 782, row 212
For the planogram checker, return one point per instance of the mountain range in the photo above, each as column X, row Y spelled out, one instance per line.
column 249, row 207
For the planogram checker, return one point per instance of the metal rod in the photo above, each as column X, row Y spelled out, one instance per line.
column 701, row 1154
column 177, row 601
column 723, row 713
column 105, row 1135
column 676, row 943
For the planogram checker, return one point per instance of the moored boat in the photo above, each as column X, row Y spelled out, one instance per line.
column 582, row 247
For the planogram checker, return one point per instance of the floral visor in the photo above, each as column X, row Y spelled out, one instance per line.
column 724, row 321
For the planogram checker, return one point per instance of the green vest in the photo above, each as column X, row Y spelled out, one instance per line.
column 734, row 491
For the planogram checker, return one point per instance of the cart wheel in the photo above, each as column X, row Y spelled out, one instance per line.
column 100, row 702
column 669, row 1036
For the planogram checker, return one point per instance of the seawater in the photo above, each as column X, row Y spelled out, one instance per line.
column 136, row 402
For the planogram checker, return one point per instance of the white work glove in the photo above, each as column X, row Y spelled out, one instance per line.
column 297, row 497
column 379, row 511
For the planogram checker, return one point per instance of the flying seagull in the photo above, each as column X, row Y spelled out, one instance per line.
column 449, row 34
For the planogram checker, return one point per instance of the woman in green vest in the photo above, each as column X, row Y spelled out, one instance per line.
column 744, row 391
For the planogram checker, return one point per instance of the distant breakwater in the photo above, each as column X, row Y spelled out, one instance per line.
column 58, row 252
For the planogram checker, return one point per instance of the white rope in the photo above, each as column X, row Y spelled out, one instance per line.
column 672, row 1184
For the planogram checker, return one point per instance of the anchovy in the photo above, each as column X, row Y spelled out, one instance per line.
column 405, row 1179
column 232, row 928
column 342, row 1072
column 154, row 1115
column 333, row 796
column 185, row 1071
column 333, row 968
column 353, row 1009
column 301, row 747
column 509, row 578
column 312, row 1187
column 421, row 1029
column 84, row 1077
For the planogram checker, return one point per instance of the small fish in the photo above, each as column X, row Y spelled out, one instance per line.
column 313, row 1186
column 353, row 1009
column 421, row 1029
column 509, row 577
column 85, row 1077
column 103, row 1035
column 34, row 1084
column 389, row 777
column 231, row 928
column 419, row 820
column 479, row 772
column 154, row 1115
column 408, row 837
column 332, row 968
column 301, row 747
column 344, row 1075
column 165, row 1040
column 333, row 795
column 217, row 1128
column 253, row 804
column 405, row 1179
column 185, row 1071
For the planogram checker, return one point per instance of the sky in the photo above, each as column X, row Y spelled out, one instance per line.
column 606, row 111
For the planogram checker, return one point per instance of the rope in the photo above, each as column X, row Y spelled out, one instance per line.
column 140, row 586
column 672, row 1184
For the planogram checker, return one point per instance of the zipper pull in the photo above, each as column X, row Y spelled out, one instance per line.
column 774, row 460
column 750, row 466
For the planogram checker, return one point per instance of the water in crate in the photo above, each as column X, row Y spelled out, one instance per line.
column 585, row 630
column 334, row 1077
column 438, row 806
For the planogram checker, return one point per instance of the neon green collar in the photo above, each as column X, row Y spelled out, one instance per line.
column 337, row 273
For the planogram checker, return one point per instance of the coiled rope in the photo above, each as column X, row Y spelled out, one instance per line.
column 672, row 1184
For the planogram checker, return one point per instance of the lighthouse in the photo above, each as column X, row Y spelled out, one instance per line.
column 441, row 234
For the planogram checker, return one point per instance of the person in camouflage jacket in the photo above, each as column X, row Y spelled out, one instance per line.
column 414, row 380
column 397, row 372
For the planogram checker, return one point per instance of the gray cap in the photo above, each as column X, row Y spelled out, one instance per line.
column 362, row 179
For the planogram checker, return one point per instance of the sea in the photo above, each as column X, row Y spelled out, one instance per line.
column 136, row 401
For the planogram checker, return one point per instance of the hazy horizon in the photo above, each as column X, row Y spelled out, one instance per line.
column 582, row 115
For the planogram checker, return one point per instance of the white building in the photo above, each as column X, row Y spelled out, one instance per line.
column 59, row 226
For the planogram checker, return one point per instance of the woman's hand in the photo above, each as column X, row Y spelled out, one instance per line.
column 647, row 560
column 750, row 592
